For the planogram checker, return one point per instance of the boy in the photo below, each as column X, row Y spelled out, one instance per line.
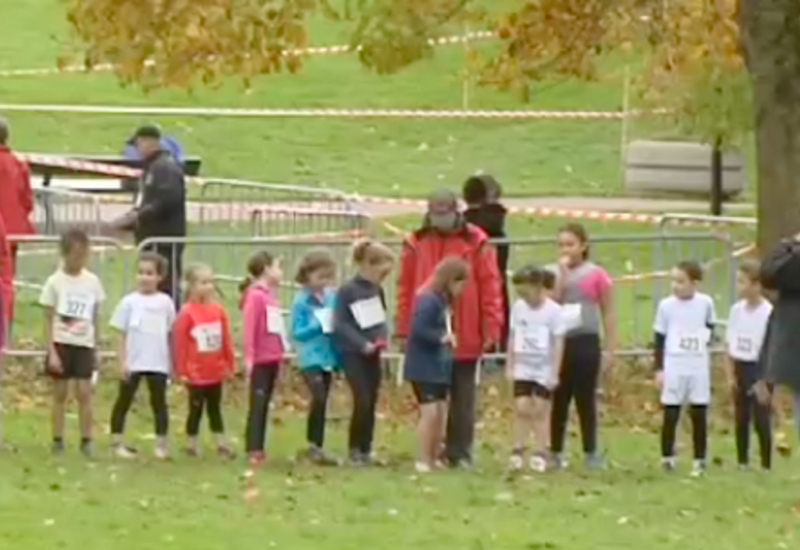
column 72, row 297
column 747, row 326
column 536, row 348
column 683, row 329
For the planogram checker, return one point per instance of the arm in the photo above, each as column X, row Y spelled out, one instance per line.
column 163, row 194
column 510, row 357
column 123, row 355
column 609, row 312
column 25, row 190
column 426, row 314
column 406, row 289
column 558, row 356
column 660, row 328
column 251, row 317
column 491, row 294
column 344, row 325
column 305, row 325
column 181, row 337
column 781, row 268
column 48, row 327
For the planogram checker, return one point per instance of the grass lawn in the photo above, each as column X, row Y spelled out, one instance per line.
column 387, row 157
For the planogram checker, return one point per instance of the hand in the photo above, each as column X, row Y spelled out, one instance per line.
column 370, row 348
column 54, row 363
column 124, row 372
column 400, row 342
column 563, row 264
column 609, row 360
column 659, row 379
column 449, row 340
column 762, row 393
column 553, row 383
column 489, row 346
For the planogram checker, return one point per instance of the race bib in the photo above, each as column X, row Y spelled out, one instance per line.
column 743, row 346
column 208, row 337
column 368, row 313
column 325, row 318
column 572, row 314
column 275, row 322
column 532, row 340
column 689, row 343
column 76, row 305
column 150, row 322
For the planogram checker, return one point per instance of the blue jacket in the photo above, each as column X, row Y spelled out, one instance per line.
column 314, row 348
column 428, row 360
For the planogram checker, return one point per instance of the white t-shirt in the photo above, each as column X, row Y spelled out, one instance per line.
column 746, row 330
column 146, row 320
column 534, row 331
column 686, row 324
column 75, row 300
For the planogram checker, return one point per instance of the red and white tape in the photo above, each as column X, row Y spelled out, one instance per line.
column 488, row 114
column 316, row 50
column 81, row 166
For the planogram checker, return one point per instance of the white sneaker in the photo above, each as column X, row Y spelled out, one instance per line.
column 422, row 468
column 162, row 453
column 123, row 452
column 698, row 468
column 538, row 463
column 516, row 462
column 668, row 463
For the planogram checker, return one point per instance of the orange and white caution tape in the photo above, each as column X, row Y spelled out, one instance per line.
column 311, row 51
column 80, row 166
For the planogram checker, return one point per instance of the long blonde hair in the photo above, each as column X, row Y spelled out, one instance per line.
column 369, row 252
column 190, row 276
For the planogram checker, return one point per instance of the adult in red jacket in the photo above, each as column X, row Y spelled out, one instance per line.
column 16, row 205
column 477, row 316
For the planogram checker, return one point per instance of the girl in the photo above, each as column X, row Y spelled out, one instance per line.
column 747, row 326
column 312, row 325
column 360, row 335
column 429, row 355
column 204, row 356
column 145, row 319
column 264, row 336
column 536, row 350
column 683, row 330
column 585, row 291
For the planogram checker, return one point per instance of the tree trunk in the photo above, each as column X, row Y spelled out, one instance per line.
column 717, row 195
column 771, row 40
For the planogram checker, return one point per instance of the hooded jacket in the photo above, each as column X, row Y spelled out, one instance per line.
column 478, row 313
column 315, row 350
column 16, row 205
column 161, row 200
column 263, row 344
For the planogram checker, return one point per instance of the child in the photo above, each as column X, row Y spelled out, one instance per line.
column 536, row 350
column 312, row 327
column 72, row 297
column 264, row 336
column 429, row 355
column 585, row 291
column 549, row 283
column 145, row 319
column 747, row 326
column 683, row 329
column 360, row 334
column 204, row 356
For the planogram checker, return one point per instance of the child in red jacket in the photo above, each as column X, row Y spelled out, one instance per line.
column 204, row 356
column 264, row 342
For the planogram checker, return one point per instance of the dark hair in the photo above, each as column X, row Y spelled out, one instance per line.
column 4, row 131
column 548, row 279
column 692, row 269
column 751, row 269
column 314, row 260
column 449, row 271
column 579, row 232
column 148, row 131
column 158, row 261
column 256, row 265
column 481, row 189
column 71, row 238
column 531, row 275
column 367, row 251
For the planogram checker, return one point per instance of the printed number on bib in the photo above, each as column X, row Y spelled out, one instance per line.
column 690, row 343
column 532, row 341
column 368, row 313
column 572, row 314
column 275, row 322
column 744, row 347
column 325, row 318
column 208, row 337
column 77, row 305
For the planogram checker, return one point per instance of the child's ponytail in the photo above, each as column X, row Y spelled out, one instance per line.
column 258, row 262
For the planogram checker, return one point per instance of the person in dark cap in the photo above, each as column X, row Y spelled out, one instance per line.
column 160, row 205
column 482, row 195
column 477, row 314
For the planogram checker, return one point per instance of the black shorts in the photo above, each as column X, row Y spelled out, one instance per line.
column 529, row 388
column 77, row 363
column 428, row 392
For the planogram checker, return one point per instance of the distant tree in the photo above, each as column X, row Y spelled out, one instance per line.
column 720, row 67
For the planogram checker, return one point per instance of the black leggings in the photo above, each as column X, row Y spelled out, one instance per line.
column 209, row 397
column 319, row 385
column 461, row 413
column 157, row 387
column 579, row 374
column 262, row 385
column 748, row 409
column 364, row 377
column 672, row 414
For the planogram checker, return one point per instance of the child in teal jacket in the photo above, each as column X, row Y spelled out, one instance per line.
column 312, row 327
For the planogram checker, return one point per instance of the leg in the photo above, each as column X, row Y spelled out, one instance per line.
column 699, row 414
column 157, row 387
column 763, row 418
column 672, row 413
column 262, row 382
column 60, row 395
column 374, row 374
column 197, row 401
column 85, row 395
column 356, row 379
column 523, row 422
column 559, row 414
column 541, row 423
column 587, row 367
column 214, row 409
column 427, row 431
column 318, row 384
column 461, row 415
column 127, row 391
column 742, row 410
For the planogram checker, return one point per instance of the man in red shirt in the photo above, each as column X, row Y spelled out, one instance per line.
column 16, row 205
column 477, row 315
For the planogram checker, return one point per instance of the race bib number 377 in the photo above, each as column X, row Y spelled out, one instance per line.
column 76, row 305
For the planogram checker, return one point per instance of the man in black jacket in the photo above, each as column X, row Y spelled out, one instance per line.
column 160, row 206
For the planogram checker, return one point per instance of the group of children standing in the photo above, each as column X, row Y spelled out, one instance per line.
column 554, row 350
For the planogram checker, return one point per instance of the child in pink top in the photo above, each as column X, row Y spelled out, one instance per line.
column 264, row 345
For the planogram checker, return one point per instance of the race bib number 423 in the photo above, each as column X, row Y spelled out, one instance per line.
column 690, row 343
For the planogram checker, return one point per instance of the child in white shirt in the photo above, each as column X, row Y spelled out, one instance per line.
column 145, row 319
column 683, row 330
column 747, row 326
column 536, row 348
column 72, row 297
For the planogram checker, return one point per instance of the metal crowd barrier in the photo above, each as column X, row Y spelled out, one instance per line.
column 269, row 221
column 58, row 209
